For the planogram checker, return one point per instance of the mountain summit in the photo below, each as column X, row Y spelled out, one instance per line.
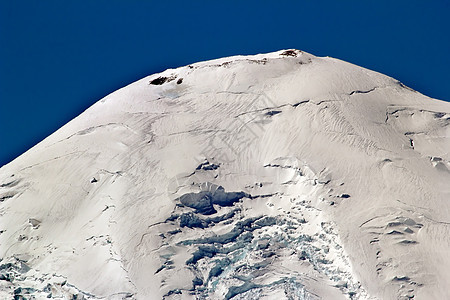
column 273, row 176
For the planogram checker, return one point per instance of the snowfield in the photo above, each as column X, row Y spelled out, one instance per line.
column 273, row 176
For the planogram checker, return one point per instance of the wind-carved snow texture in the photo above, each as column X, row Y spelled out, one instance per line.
column 273, row 176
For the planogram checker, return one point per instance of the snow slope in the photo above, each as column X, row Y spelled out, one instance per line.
column 274, row 176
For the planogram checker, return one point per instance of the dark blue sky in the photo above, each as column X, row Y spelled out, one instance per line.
column 59, row 57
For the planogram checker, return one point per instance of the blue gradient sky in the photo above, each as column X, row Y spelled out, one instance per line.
column 59, row 57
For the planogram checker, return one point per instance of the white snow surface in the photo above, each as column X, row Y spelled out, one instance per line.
column 274, row 176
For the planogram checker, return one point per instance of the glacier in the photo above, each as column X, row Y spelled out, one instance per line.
column 273, row 176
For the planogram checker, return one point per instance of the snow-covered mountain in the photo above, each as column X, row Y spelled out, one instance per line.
column 273, row 176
